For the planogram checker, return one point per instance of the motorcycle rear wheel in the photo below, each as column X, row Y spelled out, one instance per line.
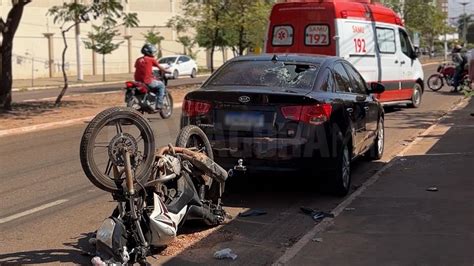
column 101, row 143
column 193, row 137
column 435, row 82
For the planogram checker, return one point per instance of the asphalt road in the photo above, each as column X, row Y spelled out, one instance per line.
column 49, row 209
column 19, row 96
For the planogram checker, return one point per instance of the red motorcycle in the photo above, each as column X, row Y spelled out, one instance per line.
column 446, row 74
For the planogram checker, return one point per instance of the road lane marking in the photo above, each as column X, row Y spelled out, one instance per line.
column 31, row 211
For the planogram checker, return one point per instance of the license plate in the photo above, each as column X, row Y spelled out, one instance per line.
column 244, row 120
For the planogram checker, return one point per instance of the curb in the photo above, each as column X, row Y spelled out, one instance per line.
column 82, row 85
column 327, row 222
column 59, row 124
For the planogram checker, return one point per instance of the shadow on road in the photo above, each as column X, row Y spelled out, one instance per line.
column 77, row 255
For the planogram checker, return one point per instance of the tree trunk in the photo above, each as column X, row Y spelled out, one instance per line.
column 212, row 59
column 103, row 67
column 63, row 64
column 8, row 30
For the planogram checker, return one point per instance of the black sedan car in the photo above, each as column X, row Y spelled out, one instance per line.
column 287, row 113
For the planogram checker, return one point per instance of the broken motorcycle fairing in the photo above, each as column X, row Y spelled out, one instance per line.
column 181, row 184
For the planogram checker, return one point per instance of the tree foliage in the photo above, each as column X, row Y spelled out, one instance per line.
column 153, row 37
column 238, row 24
column 421, row 16
column 7, row 32
column 70, row 14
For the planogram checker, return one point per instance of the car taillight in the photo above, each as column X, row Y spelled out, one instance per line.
column 315, row 114
column 194, row 108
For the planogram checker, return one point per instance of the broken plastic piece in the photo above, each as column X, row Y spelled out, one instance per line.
column 349, row 209
column 317, row 239
column 432, row 189
column 252, row 212
column 97, row 261
column 225, row 254
column 317, row 215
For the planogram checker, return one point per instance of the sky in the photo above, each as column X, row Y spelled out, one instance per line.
column 455, row 8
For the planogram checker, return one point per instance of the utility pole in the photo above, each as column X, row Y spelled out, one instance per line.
column 80, row 76
column 464, row 26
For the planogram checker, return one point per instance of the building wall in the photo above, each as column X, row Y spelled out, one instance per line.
column 30, row 45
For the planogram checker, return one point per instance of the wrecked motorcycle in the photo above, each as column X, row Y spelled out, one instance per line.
column 156, row 191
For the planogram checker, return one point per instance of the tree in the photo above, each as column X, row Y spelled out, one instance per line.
column 180, row 24
column 245, row 24
column 102, row 39
column 470, row 33
column 153, row 37
column 69, row 15
column 7, row 32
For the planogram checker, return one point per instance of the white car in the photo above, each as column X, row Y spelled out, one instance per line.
column 179, row 65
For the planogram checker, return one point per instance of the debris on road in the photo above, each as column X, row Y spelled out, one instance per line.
column 97, row 261
column 225, row 254
column 317, row 215
column 252, row 212
column 432, row 189
column 317, row 239
column 349, row 209
column 403, row 159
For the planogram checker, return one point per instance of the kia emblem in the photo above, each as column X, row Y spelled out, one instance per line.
column 244, row 99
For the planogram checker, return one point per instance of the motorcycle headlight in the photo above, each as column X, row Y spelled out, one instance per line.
column 105, row 232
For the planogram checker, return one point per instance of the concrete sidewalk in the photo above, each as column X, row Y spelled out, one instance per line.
column 396, row 221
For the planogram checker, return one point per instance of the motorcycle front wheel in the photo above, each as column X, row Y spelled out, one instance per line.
column 435, row 82
column 167, row 109
column 104, row 141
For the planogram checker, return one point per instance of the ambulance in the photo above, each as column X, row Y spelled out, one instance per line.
column 370, row 36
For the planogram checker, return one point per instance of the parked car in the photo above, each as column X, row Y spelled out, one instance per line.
column 179, row 65
column 290, row 112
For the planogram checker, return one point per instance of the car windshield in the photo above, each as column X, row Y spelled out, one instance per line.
column 286, row 75
column 167, row 60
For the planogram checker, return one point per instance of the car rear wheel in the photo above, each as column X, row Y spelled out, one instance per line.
column 341, row 175
column 416, row 96
column 175, row 74
column 376, row 151
column 193, row 73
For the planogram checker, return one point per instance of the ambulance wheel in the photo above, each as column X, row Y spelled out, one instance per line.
column 416, row 96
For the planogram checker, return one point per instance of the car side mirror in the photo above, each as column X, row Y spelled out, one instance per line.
column 376, row 87
column 179, row 62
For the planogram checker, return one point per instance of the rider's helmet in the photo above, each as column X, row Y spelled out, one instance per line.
column 148, row 49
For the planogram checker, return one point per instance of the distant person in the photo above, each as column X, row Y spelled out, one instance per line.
column 144, row 73
column 460, row 60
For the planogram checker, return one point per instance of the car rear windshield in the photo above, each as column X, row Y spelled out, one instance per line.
column 285, row 75
column 167, row 60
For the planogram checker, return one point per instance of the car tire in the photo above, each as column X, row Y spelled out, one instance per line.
column 193, row 73
column 340, row 176
column 175, row 74
column 376, row 150
column 416, row 96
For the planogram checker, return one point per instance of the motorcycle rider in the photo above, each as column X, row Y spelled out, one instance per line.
column 144, row 73
column 460, row 59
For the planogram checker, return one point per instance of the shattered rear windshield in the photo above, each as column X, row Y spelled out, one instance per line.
column 286, row 75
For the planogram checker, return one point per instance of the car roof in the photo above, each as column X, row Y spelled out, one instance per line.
column 308, row 58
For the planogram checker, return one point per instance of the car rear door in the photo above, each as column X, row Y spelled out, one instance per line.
column 367, row 102
column 354, row 107
column 184, row 65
